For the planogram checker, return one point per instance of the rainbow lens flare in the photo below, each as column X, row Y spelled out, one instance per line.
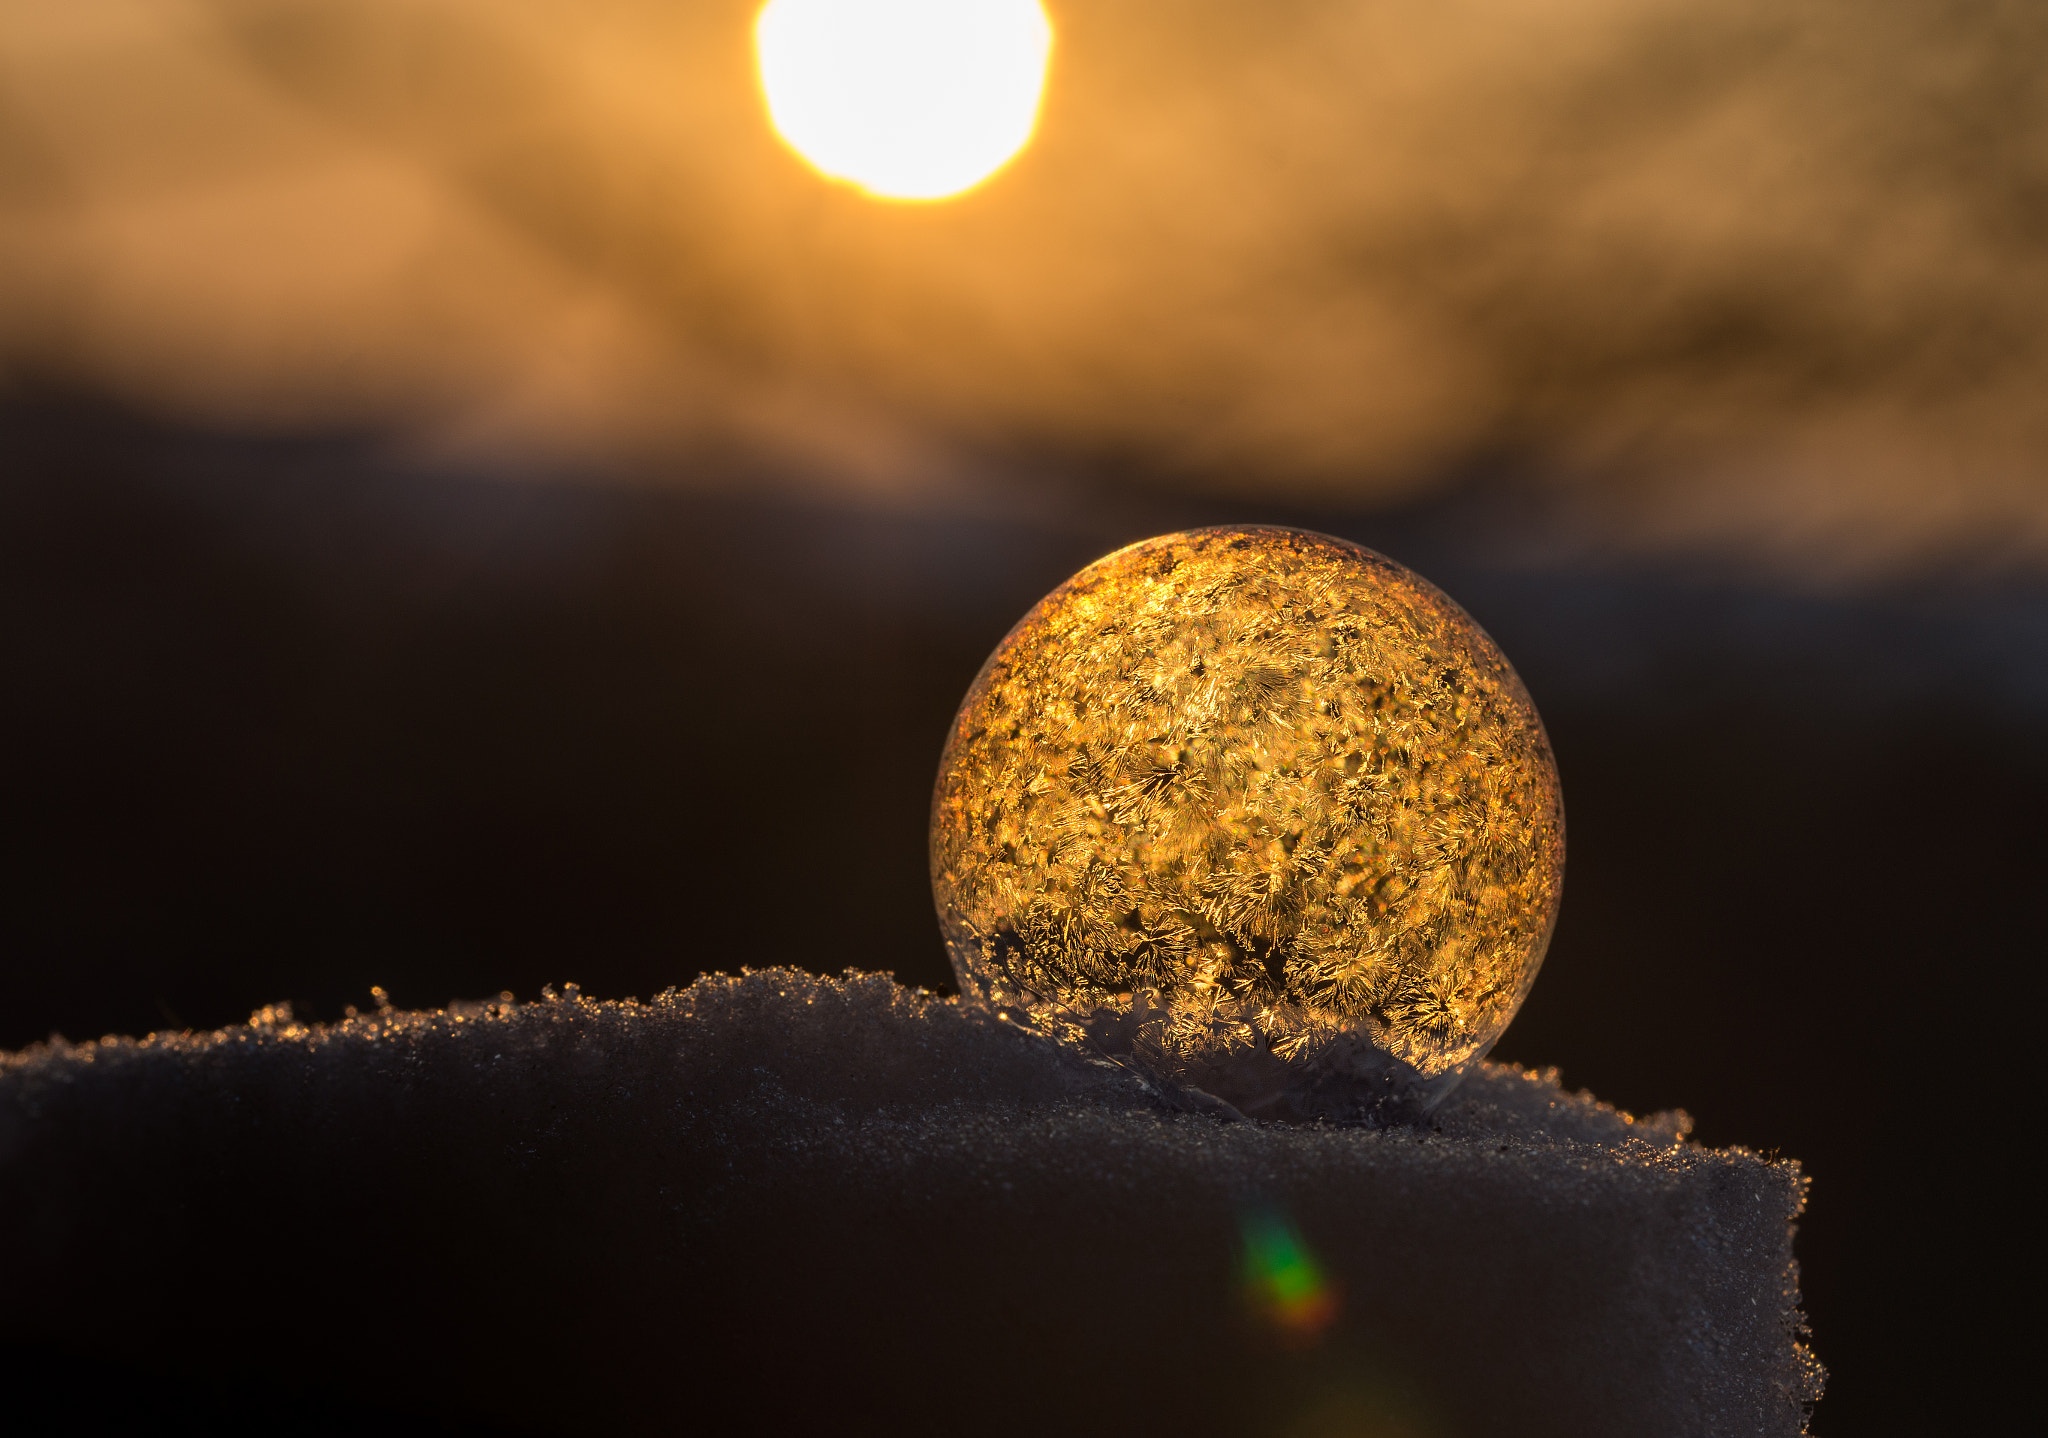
column 1283, row 1281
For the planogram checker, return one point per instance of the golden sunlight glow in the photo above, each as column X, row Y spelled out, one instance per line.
column 906, row 99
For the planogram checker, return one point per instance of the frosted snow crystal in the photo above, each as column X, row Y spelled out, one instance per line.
column 781, row 1203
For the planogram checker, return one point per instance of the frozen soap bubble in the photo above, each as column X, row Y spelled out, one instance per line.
column 1260, row 810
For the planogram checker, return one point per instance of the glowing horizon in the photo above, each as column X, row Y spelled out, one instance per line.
column 914, row 100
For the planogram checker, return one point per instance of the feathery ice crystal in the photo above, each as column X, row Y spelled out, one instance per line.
column 1260, row 810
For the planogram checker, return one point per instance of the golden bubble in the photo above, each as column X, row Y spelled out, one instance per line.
column 1260, row 810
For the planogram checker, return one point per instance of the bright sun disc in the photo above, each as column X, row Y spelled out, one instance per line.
column 907, row 99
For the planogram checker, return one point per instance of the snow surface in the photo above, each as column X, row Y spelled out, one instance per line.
column 782, row 1203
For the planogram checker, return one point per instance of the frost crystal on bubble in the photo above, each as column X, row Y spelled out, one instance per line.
column 1260, row 809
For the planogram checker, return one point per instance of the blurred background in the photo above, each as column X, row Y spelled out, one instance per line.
column 477, row 512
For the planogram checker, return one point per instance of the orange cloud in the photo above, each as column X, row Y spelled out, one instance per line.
column 1726, row 276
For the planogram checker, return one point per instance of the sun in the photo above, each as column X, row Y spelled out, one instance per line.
column 904, row 99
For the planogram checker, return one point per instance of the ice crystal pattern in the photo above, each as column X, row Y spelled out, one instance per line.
column 1251, row 790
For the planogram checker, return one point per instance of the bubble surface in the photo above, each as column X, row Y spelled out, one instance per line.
column 1261, row 809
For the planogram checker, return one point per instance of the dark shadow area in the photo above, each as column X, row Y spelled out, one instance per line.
column 57, row 1390
column 287, row 719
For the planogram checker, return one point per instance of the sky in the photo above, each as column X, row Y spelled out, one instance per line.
column 1756, row 281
